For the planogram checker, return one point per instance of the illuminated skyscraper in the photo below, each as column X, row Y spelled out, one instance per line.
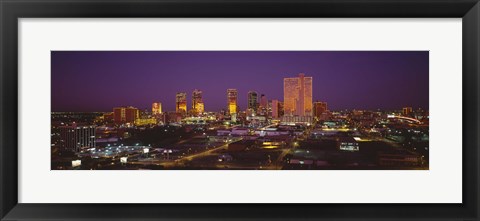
column 252, row 101
column 156, row 108
column 123, row 115
column 297, row 95
column 232, row 101
column 181, row 102
column 197, row 101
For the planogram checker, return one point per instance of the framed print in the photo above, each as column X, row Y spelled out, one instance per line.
column 239, row 110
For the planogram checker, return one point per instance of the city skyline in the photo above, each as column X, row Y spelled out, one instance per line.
column 404, row 74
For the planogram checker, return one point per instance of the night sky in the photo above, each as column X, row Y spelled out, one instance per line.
column 98, row 81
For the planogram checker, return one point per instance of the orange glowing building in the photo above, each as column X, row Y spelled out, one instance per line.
column 156, row 108
column 232, row 101
column 197, row 102
column 297, row 95
column 181, row 102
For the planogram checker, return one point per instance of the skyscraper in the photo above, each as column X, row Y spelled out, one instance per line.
column 197, row 101
column 252, row 101
column 181, row 102
column 281, row 110
column 275, row 106
column 232, row 101
column 156, row 108
column 297, row 95
column 263, row 110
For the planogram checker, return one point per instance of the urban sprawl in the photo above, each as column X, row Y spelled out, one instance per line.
column 296, row 133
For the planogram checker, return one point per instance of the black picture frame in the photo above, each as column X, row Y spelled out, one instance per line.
column 12, row 10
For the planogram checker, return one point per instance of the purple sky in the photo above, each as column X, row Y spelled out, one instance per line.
column 99, row 81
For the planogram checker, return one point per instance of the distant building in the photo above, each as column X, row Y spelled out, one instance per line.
column 108, row 117
column 122, row 115
column 263, row 109
column 156, row 108
column 407, row 111
column 76, row 138
column 275, row 107
column 297, row 95
column 252, row 101
column 281, row 110
column 145, row 121
column 181, row 102
column 263, row 101
column 197, row 102
column 319, row 108
column 172, row 117
column 296, row 119
column 232, row 101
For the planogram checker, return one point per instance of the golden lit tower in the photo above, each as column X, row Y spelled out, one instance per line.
column 156, row 108
column 197, row 101
column 297, row 95
column 232, row 100
column 181, row 102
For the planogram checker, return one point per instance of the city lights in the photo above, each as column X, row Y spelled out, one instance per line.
column 290, row 114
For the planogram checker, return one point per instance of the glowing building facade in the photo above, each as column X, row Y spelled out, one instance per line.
column 123, row 115
column 232, row 95
column 156, row 108
column 181, row 102
column 145, row 121
column 252, row 101
column 197, row 101
column 297, row 95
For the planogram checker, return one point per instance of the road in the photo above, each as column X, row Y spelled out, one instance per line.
column 182, row 160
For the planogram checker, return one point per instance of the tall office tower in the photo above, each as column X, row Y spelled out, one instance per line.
column 275, row 105
column 263, row 109
column 123, row 115
column 75, row 137
column 297, row 95
column 232, row 101
column 197, row 101
column 252, row 101
column 181, row 102
column 319, row 108
column 156, row 108
column 263, row 101
column 281, row 110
